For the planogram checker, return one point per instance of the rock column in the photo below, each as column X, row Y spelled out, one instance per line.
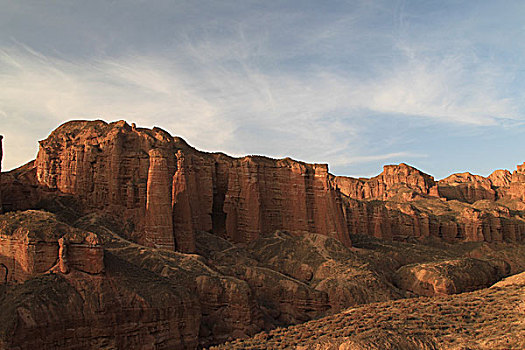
column 159, row 213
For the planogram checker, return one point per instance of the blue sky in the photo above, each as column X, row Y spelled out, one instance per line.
column 355, row 84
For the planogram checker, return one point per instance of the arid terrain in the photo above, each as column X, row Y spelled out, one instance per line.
column 119, row 237
column 490, row 318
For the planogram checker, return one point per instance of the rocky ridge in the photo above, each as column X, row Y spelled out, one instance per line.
column 491, row 318
column 166, row 191
column 206, row 248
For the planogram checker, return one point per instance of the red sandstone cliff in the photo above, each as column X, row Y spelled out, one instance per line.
column 165, row 194
column 384, row 186
column 403, row 202
column 168, row 190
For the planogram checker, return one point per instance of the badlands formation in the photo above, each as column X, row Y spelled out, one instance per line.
column 120, row 237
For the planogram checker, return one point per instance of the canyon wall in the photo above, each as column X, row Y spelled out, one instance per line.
column 167, row 191
column 403, row 202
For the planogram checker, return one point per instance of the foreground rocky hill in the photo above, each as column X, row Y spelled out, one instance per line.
column 125, row 237
column 492, row 318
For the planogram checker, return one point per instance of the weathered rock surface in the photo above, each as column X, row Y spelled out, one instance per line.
column 34, row 242
column 166, row 191
column 517, row 279
column 490, row 318
column 325, row 264
column 403, row 203
column 139, row 173
column 124, row 308
column 206, row 248
column 447, row 277
column 61, row 290
column 1, row 156
column 383, row 186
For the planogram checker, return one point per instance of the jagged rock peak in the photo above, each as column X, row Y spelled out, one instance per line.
column 403, row 169
column 86, row 130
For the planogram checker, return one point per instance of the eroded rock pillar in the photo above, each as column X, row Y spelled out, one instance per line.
column 159, row 213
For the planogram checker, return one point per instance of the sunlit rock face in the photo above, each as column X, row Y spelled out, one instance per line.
column 34, row 242
column 167, row 190
column 1, row 155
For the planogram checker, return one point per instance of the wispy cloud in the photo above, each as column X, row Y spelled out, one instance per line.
column 220, row 98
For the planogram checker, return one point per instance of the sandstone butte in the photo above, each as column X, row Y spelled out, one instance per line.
column 227, row 247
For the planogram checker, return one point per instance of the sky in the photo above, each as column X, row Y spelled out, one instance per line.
column 439, row 85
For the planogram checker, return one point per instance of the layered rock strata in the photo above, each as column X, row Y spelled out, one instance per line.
column 34, row 242
column 124, row 308
column 447, row 277
column 166, row 191
column 402, row 202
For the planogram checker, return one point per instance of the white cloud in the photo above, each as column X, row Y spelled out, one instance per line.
column 221, row 99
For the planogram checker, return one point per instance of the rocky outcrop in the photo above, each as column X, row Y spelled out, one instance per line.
column 158, row 228
column 34, row 242
column 165, row 191
column 124, row 308
column 403, row 203
column 168, row 190
column 487, row 319
column 265, row 195
column 466, row 187
column 1, row 156
column 447, row 277
column 384, row 186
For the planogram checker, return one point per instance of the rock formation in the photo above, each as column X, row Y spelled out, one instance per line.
column 403, row 203
column 447, row 277
column 487, row 319
column 34, row 242
column 383, row 186
column 189, row 249
column 165, row 191
column 140, row 173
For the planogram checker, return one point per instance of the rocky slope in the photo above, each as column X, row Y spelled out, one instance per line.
column 166, row 191
column 491, row 318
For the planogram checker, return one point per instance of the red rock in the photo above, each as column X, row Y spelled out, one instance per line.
column 158, row 230
column 265, row 195
column 500, row 178
column 32, row 242
column 447, row 277
column 169, row 190
column 384, row 185
column 126, row 308
column 466, row 187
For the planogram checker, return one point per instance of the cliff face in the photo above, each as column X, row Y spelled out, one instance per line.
column 403, row 202
column 384, row 186
column 34, row 242
column 167, row 190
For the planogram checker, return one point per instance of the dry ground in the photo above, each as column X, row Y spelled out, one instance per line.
column 491, row 318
